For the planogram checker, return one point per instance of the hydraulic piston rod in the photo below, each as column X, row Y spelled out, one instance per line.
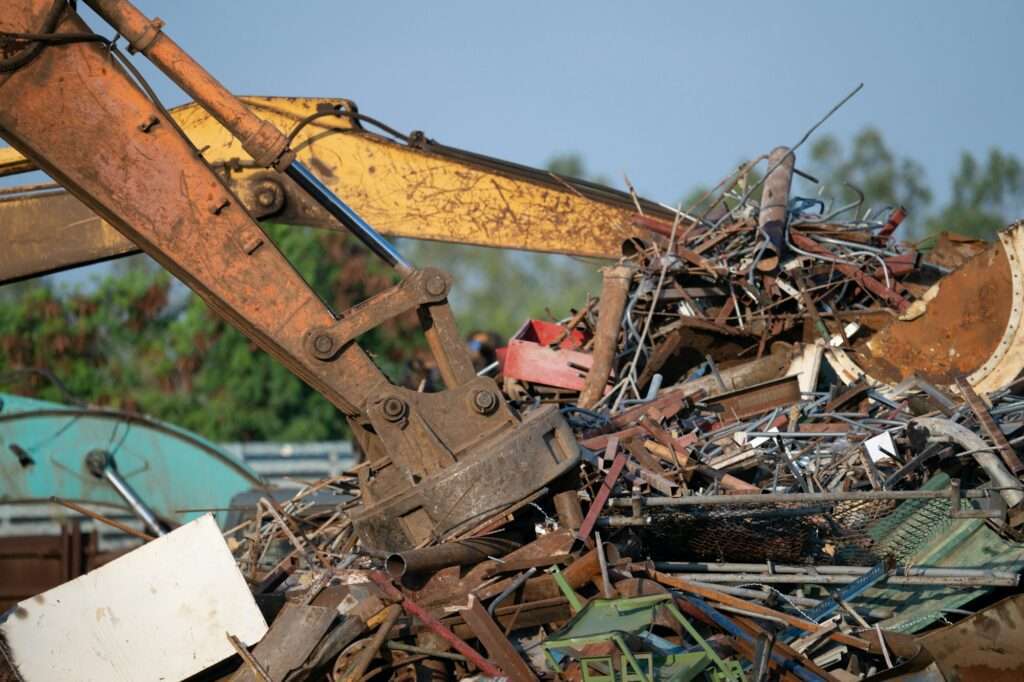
column 101, row 465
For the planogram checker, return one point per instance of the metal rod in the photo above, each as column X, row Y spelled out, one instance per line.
column 713, row 567
column 794, row 600
column 614, row 293
column 84, row 511
column 796, row 578
column 433, row 653
column 348, row 217
column 369, row 652
column 100, row 464
column 855, row 496
column 516, row 584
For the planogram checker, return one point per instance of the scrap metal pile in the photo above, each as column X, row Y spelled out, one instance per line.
column 745, row 507
column 798, row 455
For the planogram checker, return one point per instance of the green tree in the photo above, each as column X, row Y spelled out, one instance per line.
column 985, row 197
column 886, row 179
column 139, row 341
column 572, row 165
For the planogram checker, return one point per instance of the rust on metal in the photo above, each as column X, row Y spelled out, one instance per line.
column 422, row 192
column 428, row 452
column 759, row 398
column 980, row 409
column 959, row 331
column 614, row 292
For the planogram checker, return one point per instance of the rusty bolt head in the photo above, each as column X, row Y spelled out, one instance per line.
column 265, row 196
column 323, row 344
column 394, row 409
column 435, row 285
column 485, row 402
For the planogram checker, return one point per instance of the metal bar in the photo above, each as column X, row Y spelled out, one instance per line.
column 723, row 598
column 733, row 629
column 133, row 500
column 516, row 584
column 413, row 649
column 990, row 427
column 831, row 604
column 605, row 490
column 84, row 511
column 369, row 652
column 818, row 579
column 497, row 645
column 100, row 464
column 614, row 291
column 701, row 566
column 348, row 217
column 246, row 656
column 417, row 611
column 781, row 498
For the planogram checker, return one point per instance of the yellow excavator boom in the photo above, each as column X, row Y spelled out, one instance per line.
column 410, row 187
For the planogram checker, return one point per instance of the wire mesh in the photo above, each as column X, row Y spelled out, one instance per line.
column 860, row 533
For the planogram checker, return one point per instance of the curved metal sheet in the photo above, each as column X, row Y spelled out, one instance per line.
column 171, row 468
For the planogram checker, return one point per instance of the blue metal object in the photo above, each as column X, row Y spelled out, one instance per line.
column 826, row 607
column 43, row 449
column 731, row 628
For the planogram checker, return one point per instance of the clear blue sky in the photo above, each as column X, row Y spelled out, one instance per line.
column 672, row 93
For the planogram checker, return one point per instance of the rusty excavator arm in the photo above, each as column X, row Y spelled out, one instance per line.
column 406, row 186
column 438, row 462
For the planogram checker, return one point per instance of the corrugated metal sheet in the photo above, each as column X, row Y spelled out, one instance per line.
column 921, row 533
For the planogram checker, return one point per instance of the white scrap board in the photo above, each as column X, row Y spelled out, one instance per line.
column 880, row 447
column 159, row 612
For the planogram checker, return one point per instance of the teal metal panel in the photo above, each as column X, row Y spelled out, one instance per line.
column 921, row 533
column 172, row 469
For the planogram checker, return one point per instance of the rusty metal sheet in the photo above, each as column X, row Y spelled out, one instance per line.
column 957, row 333
column 760, row 398
column 970, row 325
column 291, row 639
column 985, row 646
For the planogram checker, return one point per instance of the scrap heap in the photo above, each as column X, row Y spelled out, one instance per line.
column 739, row 511
column 768, row 488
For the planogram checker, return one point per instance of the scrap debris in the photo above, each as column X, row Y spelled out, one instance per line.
column 752, row 501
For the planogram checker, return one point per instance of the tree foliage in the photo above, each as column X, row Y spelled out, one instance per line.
column 984, row 196
column 140, row 341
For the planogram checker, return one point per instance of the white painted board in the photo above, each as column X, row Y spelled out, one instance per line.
column 880, row 447
column 159, row 612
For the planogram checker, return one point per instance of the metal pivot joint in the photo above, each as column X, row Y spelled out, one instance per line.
column 100, row 464
column 451, row 457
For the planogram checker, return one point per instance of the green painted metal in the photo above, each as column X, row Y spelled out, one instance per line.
column 619, row 621
column 922, row 533
column 172, row 469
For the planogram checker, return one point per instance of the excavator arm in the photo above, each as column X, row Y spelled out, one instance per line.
column 437, row 461
column 406, row 186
